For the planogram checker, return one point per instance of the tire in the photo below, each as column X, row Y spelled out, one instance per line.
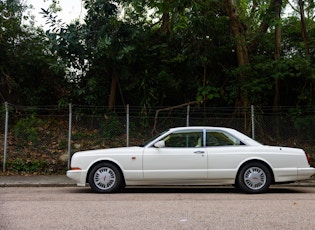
column 105, row 178
column 254, row 178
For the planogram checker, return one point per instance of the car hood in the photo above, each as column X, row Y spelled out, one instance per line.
column 109, row 151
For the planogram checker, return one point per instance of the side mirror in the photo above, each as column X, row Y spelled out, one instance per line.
column 159, row 144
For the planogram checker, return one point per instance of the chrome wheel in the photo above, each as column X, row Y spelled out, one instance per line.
column 255, row 178
column 104, row 178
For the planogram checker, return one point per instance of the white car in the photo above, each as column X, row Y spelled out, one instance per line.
column 191, row 156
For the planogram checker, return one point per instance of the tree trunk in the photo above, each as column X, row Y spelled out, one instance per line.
column 239, row 34
column 277, row 55
column 241, row 51
column 166, row 20
column 306, row 42
column 264, row 26
column 166, row 26
column 112, row 95
column 303, row 28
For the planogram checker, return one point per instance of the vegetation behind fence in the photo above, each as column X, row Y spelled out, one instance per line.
column 38, row 137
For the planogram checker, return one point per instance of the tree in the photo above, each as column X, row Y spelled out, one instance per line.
column 170, row 52
column 25, row 76
column 239, row 31
column 277, row 55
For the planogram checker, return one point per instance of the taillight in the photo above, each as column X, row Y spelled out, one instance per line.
column 308, row 158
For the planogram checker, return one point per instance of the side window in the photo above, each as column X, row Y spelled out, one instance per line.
column 184, row 139
column 217, row 138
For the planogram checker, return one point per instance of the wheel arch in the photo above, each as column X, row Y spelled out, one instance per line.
column 256, row 161
column 105, row 161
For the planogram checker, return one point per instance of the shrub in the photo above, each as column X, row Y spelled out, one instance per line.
column 28, row 166
column 26, row 129
column 112, row 127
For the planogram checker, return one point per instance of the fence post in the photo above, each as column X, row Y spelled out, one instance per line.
column 253, row 121
column 127, row 126
column 5, row 135
column 187, row 116
column 69, row 135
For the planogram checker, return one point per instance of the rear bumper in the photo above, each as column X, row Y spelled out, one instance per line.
column 293, row 174
column 305, row 173
column 78, row 175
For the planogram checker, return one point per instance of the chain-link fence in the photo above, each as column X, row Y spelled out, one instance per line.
column 42, row 139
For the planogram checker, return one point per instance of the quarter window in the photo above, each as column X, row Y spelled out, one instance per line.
column 217, row 138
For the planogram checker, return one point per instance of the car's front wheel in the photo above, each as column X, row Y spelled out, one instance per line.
column 253, row 178
column 105, row 178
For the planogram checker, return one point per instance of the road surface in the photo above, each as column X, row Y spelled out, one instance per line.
column 156, row 208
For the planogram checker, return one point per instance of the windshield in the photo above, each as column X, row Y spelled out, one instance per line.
column 151, row 139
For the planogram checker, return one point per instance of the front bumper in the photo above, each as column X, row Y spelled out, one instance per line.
column 78, row 175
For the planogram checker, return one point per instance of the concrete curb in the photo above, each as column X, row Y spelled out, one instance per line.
column 36, row 181
column 64, row 181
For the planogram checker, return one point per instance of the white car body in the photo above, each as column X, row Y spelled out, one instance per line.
column 157, row 164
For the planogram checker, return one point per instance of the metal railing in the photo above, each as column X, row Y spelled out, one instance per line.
column 53, row 134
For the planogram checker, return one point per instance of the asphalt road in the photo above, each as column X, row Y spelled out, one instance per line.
column 156, row 208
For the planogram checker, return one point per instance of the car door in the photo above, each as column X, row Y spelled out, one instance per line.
column 181, row 156
column 225, row 153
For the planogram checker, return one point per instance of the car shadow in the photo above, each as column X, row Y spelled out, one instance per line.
column 194, row 189
column 223, row 189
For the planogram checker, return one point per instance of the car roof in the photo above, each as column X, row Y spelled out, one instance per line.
column 246, row 139
column 201, row 127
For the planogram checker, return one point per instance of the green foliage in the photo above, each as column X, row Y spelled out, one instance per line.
column 78, row 136
column 160, row 51
column 19, row 165
column 111, row 127
column 63, row 144
column 3, row 112
column 302, row 122
column 207, row 93
column 27, row 129
column 25, row 59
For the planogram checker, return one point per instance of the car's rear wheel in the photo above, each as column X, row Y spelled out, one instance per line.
column 254, row 177
column 105, row 178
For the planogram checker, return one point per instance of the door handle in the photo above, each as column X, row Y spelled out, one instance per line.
column 199, row 152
